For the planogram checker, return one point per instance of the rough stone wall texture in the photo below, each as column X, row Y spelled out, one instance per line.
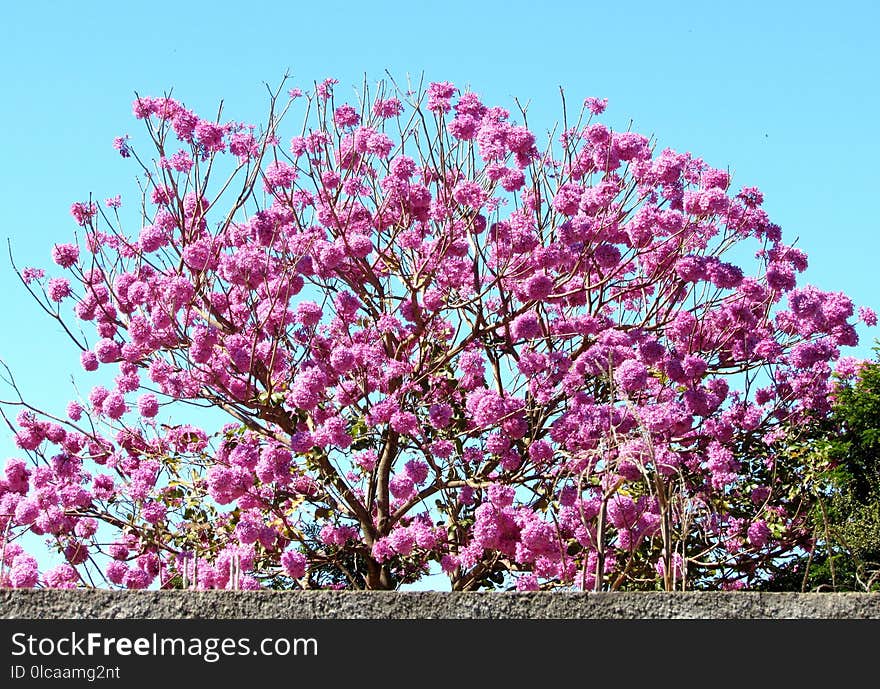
column 97, row 604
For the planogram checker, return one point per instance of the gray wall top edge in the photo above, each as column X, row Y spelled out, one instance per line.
column 103, row 604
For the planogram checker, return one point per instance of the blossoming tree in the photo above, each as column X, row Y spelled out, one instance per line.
column 435, row 344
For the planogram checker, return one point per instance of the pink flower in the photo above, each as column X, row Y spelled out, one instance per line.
column 307, row 389
column 107, row 350
column 116, row 572
column 62, row 577
column 243, row 145
column 86, row 528
column 539, row 286
column 469, row 194
column 526, row 326
column 103, row 487
column 390, row 107
column 208, row 134
column 136, row 579
column 83, row 213
column 402, row 486
column 540, row 451
column 714, row 178
column 568, row 198
column 294, row 563
column 279, row 175
column 342, row 360
column 464, row 127
column 366, row 459
column 527, row 582
column 26, row 511
column 226, row 484
column 379, row 144
column 607, row 256
column 308, row 313
column 417, row 470
column 65, row 255
column 721, row 464
column 153, row 512
column 382, row 550
column 752, row 196
column 867, row 316
column 439, row 95
column 16, row 474
column 402, row 541
column 631, row 375
column 325, row 88
column 114, row 405
column 759, row 533
column 332, row 432
column 405, row 422
column 440, row 415
column 23, row 573
column 486, row 407
column 691, row 268
column 622, row 511
column 58, row 289
column 847, row 366
column 28, row 275
column 181, row 161
column 346, row 116
column 596, row 105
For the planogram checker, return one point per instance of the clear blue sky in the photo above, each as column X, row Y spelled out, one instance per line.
column 781, row 92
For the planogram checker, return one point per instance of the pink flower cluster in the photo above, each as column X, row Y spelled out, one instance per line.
column 520, row 362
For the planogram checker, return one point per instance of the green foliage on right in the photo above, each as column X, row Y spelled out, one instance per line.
column 842, row 477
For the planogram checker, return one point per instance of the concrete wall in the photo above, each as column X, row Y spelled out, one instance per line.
column 55, row 604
